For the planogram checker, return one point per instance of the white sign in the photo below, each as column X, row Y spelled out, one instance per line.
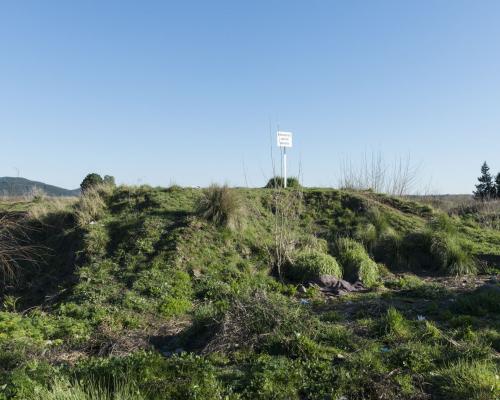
column 284, row 139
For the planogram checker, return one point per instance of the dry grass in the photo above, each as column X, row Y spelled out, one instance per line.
column 38, row 211
column 221, row 205
column 92, row 204
column 15, row 247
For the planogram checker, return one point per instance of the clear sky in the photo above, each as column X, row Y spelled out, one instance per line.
column 186, row 91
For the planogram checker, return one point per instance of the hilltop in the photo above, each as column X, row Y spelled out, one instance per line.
column 180, row 293
column 17, row 187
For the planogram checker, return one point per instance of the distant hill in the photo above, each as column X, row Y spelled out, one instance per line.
column 21, row 186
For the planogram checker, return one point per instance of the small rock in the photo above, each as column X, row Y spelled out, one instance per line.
column 301, row 289
column 196, row 272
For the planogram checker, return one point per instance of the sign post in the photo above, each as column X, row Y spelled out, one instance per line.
column 284, row 141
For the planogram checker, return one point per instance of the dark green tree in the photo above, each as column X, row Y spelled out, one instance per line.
column 109, row 180
column 90, row 181
column 485, row 189
column 497, row 184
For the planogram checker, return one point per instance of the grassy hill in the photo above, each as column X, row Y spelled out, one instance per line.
column 177, row 293
column 17, row 187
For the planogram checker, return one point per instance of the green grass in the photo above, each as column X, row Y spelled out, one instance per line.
column 142, row 295
column 468, row 380
column 310, row 265
column 356, row 262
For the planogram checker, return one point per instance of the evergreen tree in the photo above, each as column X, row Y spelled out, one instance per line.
column 485, row 189
column 497, row 184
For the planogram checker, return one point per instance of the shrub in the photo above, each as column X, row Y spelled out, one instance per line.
column 221, row 206
column 477, row 380
column 310, row 265
column 356, row 263
column 277, row 182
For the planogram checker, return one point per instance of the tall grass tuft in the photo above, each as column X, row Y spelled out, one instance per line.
column 63, row 389
column 356, row 262
column 451, row 256
column 310, row 265
column 472, row 380
column 221, row 206
column 92, row 204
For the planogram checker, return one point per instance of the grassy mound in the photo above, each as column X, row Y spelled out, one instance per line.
column 356, row 262
column 310, row 265
column 144, row 293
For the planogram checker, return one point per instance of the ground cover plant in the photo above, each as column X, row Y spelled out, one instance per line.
column 174, row 293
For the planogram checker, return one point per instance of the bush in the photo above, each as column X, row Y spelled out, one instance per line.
column 310, row 265
column 221, row 206
column 468, row 380
column 356, row 263
column 278, row 182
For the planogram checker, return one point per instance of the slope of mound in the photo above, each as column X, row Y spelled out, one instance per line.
column 140, row 297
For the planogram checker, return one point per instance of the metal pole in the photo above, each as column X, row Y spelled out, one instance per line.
column 284, row 168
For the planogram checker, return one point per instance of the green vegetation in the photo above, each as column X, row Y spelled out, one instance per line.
column 356, row 262
column 486, row 189
column 309, row 265
column 278, row 182
column 220, row 205
column 151, row 293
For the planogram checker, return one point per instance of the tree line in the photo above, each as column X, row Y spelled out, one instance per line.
column 487, row 188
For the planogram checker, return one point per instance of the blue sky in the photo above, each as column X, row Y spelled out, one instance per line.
column 186, row 91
